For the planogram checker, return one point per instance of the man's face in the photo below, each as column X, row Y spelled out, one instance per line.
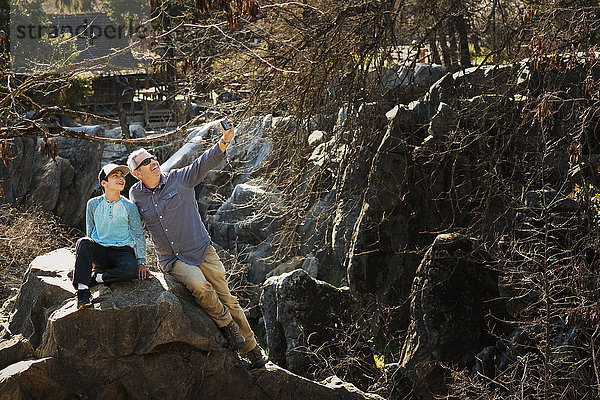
column 114, row 181
column 148, row 171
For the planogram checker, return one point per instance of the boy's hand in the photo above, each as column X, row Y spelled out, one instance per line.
column 142, row 271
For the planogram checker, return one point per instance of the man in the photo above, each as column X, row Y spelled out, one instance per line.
column 115, row 242
column 168, row 207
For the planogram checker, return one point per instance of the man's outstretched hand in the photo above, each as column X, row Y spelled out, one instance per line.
column 228, row 135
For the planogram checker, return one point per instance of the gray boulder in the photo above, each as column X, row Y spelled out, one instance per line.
column 49, row 177
column 421, row 74
column 452, row 294
column 85, row 158
column 250, row 215
column 15, row 349
column 312, row 230
column 316, row 138
column 248, row 150
column 290, row 265
column 62, row 186
column 116, row 151
column 297, row 311
column 442, row 91
column 331, row 152
column 259, row 259
column 16, row 173
column 311, row 266
column 443, row 121
column 196, row 143
column 140, row 339
column 246, row 224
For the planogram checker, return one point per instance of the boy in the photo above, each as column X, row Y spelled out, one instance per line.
column 114, row 248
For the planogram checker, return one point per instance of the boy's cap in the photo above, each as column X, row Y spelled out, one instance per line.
column 108, row 168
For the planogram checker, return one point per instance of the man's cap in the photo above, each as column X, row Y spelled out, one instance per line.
column 108, row 168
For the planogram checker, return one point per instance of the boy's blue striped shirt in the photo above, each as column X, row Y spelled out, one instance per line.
column 116, row 224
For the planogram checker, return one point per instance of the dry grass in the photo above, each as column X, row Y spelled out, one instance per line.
column 25, row 235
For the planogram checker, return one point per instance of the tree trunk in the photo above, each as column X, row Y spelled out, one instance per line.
column 453, row 46
column 463, row 40
column 445, row 51
column 125, row 134
column 435, row 54
column 475, row 41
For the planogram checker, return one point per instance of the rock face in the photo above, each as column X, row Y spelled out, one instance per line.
column 85, row 158
column 61, row 187
column 420, row 74
column 15, row 176
column 451, row 294
column 297, row 309
column 141, row 339
column 249, row 217
column 114, row 152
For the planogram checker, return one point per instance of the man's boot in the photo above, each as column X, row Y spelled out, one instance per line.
column 231, row 332
column 257, row 357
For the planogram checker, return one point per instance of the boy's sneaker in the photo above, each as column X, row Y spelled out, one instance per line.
column 93, row 281
column 257, row 357
column 84, row 299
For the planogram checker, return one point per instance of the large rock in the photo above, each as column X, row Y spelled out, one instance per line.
column 443, row 122
column 49, row 177
column 246, row 224
column 31, row 379
column 17, row 171
column 85, row 158
column 382, row 257
column 61, row 187
column 45, row 286
column 141, row 339
column 451, row 298
column 117, row 152
column 15, row 349
column 312, row 230
column 196, row 143
column 419, row 74
column 250, row 215
column 260, row 259
column 248, row 150
column 298, row 310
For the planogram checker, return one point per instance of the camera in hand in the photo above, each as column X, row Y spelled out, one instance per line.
column 226, row 124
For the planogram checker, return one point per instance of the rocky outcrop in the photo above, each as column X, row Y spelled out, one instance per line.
column 298, row 310
column 141, row 339
column 418, row 74
column 451, row 296
column 249, row 217
column 116, row 152
column 61, row 187
column 84, row 157
column 16, row 172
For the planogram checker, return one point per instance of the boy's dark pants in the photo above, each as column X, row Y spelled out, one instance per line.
column 114, row 263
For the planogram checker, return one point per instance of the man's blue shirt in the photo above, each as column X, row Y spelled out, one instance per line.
column 170, row 212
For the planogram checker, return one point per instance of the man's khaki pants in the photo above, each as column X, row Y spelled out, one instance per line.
column 208, row 285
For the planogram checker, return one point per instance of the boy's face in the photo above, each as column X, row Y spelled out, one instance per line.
column 114, row 181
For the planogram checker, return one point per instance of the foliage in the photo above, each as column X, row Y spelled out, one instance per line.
column 77, row 92
column 25, row 235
